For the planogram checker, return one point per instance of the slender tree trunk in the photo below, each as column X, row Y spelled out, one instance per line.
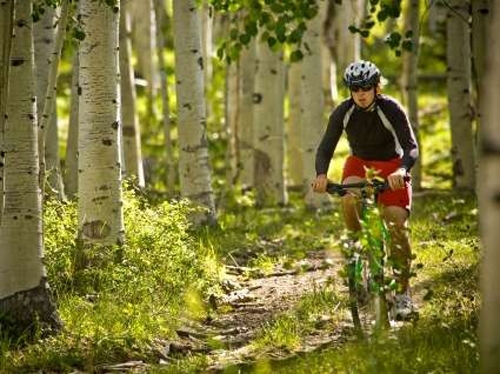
column 144, row 41
column 410, row 83
column 100, row 202
column 207, row 41
column 459, row 99
column 312, row 107
column 348, row 44
column 232, row 114
column 132, row 154
column 6, row 21
column 245, row 127
column 269, row 128
column 24, row 292
column 194, row 166
column 47, row 70
column 481, row 17
column 169, row 150
column 294, row 166
column 331, row 41
column 71, row 159
column 489, row 203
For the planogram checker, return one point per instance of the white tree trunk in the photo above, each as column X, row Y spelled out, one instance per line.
column 410, row 83
column 48, row 47
column 269, row 128
column 489, row 203
column 459, row 99
column 294, row 165
column 6, row 20
column 330, row 50
column 144, row 42
column 160, row 17
column 231, row 121
column 132, row 154
column 245, row 125
column 207, row 26
column 71, row 160
column 100, row 218
column 194, row 166
column 23, row 284
column 481, row 17
column 348, row 44
column 312, row 107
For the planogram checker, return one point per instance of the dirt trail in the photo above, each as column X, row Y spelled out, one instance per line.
column 251, row 303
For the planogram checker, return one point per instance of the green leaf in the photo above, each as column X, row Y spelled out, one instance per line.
column 245, row 39
column 78, row 34
column 233, row 33
column 407, row 45
column 382, row 15
column 251, row 28
column 271, row 41
column 296, row 55
column 295, row 36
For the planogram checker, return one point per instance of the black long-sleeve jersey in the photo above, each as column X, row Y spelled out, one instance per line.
column 381, row 134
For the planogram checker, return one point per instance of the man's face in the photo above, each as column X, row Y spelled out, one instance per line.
column 363, row 96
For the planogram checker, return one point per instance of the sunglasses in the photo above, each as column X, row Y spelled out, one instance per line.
column 362, row 88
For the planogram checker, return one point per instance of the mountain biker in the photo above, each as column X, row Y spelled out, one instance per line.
column 380, row 137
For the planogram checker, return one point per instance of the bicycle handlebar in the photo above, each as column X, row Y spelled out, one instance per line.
column 376, row 185
column 342, row 189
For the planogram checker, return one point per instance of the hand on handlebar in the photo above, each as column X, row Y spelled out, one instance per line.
column 319, row 184
column 397, row 179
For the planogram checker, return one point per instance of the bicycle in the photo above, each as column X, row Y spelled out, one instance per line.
column 366, row 264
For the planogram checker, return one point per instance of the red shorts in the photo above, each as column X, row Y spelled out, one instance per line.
column 355, row 166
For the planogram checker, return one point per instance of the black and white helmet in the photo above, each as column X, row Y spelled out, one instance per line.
column 361, row 73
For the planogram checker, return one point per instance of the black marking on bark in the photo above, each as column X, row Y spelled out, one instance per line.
column 27, row 216
column 31, row 116
column 274, row 71
column 496, row 197
column 33, row 99
column 107, row 142
column 79, row 90
column 257, row 98
column 489, row 147
column 96, row 229
column 115, row 125
column 17, row 61
column 22, row 23
column 187, row 106
column 116, row 9
column 200, row 62
column 114, row 101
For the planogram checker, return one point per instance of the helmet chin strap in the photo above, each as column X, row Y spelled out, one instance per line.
column 370, row 107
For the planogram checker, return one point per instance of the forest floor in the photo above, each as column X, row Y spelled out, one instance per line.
column 253, row 302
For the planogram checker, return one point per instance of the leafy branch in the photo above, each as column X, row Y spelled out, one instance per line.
column 276, row 22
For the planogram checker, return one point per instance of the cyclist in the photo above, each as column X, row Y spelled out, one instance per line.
column 380, row 137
